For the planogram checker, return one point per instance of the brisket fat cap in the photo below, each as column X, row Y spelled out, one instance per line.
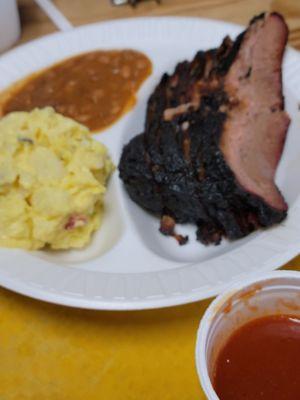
column 214, row 134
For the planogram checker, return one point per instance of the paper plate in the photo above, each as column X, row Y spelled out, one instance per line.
column 129, row 264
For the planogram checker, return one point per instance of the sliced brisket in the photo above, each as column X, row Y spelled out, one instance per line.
column 214, row 134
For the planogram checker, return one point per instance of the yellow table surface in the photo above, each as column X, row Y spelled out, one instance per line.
column 49, row 352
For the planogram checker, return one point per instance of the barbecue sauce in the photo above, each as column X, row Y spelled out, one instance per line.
column 94, row 88
column 261, row 361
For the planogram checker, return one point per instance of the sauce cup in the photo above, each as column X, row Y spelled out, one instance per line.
column 274, row 293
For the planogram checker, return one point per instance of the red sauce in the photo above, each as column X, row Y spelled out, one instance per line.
column 261, row 361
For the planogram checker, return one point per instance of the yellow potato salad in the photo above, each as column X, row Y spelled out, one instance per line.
column 53, row 177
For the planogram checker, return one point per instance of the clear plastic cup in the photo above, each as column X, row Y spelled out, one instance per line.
column 274, row 293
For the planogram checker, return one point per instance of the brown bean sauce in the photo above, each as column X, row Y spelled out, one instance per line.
column 261, row 361
column 94, row 88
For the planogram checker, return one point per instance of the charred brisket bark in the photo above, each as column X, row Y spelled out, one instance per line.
column 214, row 134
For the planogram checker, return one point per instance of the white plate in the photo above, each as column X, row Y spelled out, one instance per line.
column 129, row 264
